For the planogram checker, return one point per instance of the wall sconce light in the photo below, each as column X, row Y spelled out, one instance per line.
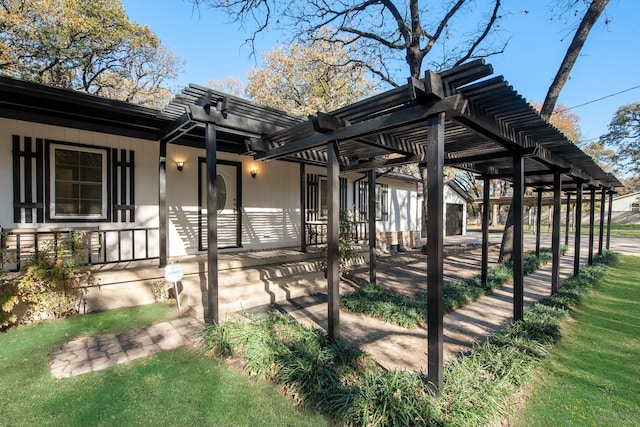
column 254, row 172
column 180, row 165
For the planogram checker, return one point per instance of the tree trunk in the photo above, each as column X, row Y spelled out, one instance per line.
column 506, row 249
column 590, row 17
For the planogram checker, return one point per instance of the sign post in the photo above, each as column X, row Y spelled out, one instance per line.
column 173, row 273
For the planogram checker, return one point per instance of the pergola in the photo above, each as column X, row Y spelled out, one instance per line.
column 457, row 117
column 453, row 118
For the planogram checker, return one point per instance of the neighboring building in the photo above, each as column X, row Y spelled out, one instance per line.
column 627, row 203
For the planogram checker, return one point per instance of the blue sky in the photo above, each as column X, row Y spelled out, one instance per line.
column 610, row 60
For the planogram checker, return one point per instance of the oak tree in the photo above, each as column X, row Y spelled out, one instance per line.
column 624, row 136
column 90, row 46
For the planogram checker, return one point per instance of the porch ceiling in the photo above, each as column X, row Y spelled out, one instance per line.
column 487, row 124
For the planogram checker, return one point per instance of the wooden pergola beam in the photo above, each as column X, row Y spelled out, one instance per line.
column 416, row 114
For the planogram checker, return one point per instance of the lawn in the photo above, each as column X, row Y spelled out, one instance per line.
column 593, row 375
column 181, row 387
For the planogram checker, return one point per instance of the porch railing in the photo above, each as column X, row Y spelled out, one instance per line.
column 316, row 232
column 96, row 246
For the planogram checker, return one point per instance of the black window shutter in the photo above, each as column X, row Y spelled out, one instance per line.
column 25, row 159
column 343, row 194
column 313, row 194
column 384, row 200
column 122, row 185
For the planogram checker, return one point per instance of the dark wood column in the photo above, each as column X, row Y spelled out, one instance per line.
column 518, row 241
column 162, row 205
column 578, row 226
column 592, row 220
column 211, row 144
column 601, row 229
column 303, row 208
column 568, row 217
column 538, row 220
column 609, row 209
column 485, row 231
column 372, row 226
column 555, row 236
column 435, row 241
column 333, row 233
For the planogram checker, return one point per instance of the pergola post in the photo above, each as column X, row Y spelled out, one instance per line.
column 518, row 250
column 592, row 220
column 485, row 232
column 609, row 209
column 601, row 229
column 333, row 234
column 435, row 241
column 162, row 205
column 555, row 236
column 538, row 220
column 303, row 213
column 578, row 226
column 212, row 314
column 372, row 226
column 566, row 225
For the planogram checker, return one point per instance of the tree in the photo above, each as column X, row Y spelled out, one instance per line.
column 390, row 35
column 624, row 135
column 589, row 18
column 596, row 7
column 90, row 46
column 304, row 79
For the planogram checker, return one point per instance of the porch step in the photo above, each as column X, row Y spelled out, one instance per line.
column 245, row 280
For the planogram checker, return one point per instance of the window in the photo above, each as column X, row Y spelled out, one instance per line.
column 381, row 199
column 78, row 182
column 324, row 198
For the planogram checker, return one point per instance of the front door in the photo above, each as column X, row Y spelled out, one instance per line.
column 229, row 204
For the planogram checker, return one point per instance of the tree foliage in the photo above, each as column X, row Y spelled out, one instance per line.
column 624, row 136
column 304, row 79
column 390, row 35
column 565, row 121
column 89, row 46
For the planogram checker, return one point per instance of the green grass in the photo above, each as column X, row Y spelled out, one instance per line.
column 593, row 375
column 332, row 377
column 180, row 387
column 410, row 311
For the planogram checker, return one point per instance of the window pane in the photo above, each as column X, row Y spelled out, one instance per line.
column 78, row 183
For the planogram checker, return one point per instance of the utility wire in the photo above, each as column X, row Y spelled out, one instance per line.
column 595, row 100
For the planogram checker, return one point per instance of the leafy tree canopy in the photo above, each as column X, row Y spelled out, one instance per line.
column 89, row 46
column 624, row 136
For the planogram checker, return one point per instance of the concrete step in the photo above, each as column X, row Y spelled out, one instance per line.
column 246, row 280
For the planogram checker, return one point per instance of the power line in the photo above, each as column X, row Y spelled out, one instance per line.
column 595, row 100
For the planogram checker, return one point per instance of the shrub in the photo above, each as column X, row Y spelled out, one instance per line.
column 50, row 285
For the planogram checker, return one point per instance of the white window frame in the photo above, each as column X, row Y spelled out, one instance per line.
column 52, row 153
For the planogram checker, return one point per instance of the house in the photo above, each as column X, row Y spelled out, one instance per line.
column 118, row 172
column 626, row 203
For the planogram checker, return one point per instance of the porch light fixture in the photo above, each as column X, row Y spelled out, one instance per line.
column 254, row 172
column 180, row 165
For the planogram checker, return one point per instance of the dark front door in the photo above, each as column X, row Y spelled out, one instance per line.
column 454, row 219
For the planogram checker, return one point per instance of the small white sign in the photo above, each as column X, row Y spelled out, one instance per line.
column 173, row 273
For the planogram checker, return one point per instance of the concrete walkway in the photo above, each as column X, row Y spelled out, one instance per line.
column 104, row 351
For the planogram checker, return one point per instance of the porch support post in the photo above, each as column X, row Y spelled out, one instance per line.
column 303, row 208
column 566, row 225
column 578, row 226
column 333, row 233
column 601, row 230
column 518, row 251
column 162, row 205
column 538, row 220
column 372, row 226
column 435, row 240
column 592, row 220
column 485, row 232
column 555, row 237
column 609, row 209
column 212, row 313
